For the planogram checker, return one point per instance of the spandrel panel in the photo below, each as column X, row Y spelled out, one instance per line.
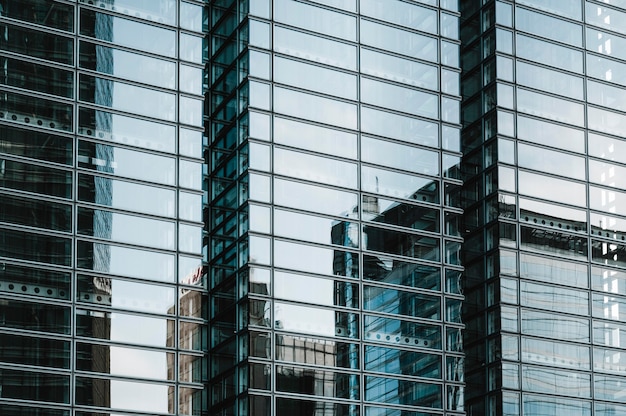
column 398, row 41
column 550, row 325
column 125, row 261
column 127, row 163
column 124, row 97
column 317, row 351
column 314, row 198
column 396, row 272
column 36, row 247
column 35, row 145
column 315, row 48
column 399, row 69
column 399, row 156
column 396, row 361
column 36, row 213
column 315, row 168
column 548, row 27
column 549, row 54
column 27, row 385
column 317, row 382
column 145, row 397
column 35, row 351
column 315, row 19
column 125, row 328
column 399, row 98
column 35, row 316
column 549, row 161
column 51, row 47
column 128, row 295
column 127, row 130
column 315, row 108
column 314, row 259
column 128, row 65
column 315, row 78
column 393, row 391
column 400, row 127
column 125, row 362
column 404, row 14
column 40, row 78
column 400, row 302
column 126, row 195
column 40, row 112
column 316, row 138
column 325, row 292
column 399, row 185
column 315, row 229
column 400, row 214
column 549, row 188
column 555, row 353
column 396, row 331
column 315, row 321
column 400, row 243
column 124, row 32
column 34, row 282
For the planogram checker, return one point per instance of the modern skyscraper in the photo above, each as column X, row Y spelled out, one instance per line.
column 102, row 299
column 371, row 247
column 543, row 113
column 335, row 208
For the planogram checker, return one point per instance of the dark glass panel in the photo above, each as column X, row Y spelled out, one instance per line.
column 34, row 178
column 392, row 391
column 403, row 244
column 290, row 407
column 115, row 393
column 32, row 281
column 31, row 350
column 400, row 214
column 400, row 302
column 42, row 45
column 35, row 247
column 192, row 368
column 35, row 77
column 397, row 272
column 395, row 361
column 35, row 386
column 554, row 242
column 11, row 410
column 317, row 382
column 36, row 145
column 37, row 112
column 36, row 213
column 43, row 12
column 35, row 316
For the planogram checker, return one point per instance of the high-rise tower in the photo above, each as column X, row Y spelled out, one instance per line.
column 335, row 208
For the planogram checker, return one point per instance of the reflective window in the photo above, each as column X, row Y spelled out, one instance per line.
column 571, row 9
column 610, row 334
column 607, row 148
column 315, row 19
column 400, row 302
column 554, row 298
column 605, row 43
column 315, row 168
column 400, row 13
column 315, row 138
column 550, row 161
column 395, row 331
column 609, row 360
column 400, row 127
column 40, row 112
column 549, row 134
column 552, row 381
column 398, row 69
column 324, row 292
column 550, row 107
column 555, row 353
column 163, row 11
column 549, row 53
column 51, row 47
column 36, row 247
column 538, row 405
column 400, row 243
column 34, row 282
column 315, row 229
column 27, row 385
column 399, row 98
column 396, row 272
column 123, row 32
column 35, row 316
column 314, row 48
column 399, row 156
column 399, row 185
column 606, row 69
column 606, row 121
column 554, row 189
column 40, row 78
column 398, row 41
column 325, row 383
column 315, row 321
column 400, row 214
column 315, row 108
column 29, row 350
column 87, row 394
column 314, row 259
column 606, row 95
column 393, row 391
column 554, row 270
column 548, row 80
column 549, row 325
column 36, row 213
column 605, row 17
column 58, row 16
column 313, row 198
column 547, row 26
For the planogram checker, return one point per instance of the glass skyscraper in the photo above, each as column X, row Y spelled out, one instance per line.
column 312, row 207
column 102, row 299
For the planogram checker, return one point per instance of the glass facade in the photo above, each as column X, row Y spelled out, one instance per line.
column 335, row 208
column 544, row 263
column 103, row 305
column 315, row 207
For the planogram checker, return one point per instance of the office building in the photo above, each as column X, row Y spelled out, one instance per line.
column 543, row 88
column 102, row 300
column 410, row 208
column 335, row 208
